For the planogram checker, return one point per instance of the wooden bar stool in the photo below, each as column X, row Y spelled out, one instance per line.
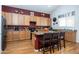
column 46, row 42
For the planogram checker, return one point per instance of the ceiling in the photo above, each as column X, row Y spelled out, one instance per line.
column 39, row 8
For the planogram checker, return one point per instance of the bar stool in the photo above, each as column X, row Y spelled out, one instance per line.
column 46, row 42
column 55, row 41
column 62, row 38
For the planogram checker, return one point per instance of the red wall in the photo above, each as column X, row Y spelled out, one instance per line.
column 22, row 11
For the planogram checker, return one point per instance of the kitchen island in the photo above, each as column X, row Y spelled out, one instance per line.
column 69, row 36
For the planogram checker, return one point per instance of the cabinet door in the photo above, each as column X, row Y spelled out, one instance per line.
column 4, row 14
column 20, row 19
column 16, row 35
column 70, row 36
column 27, row 34
column 22, row 35
column 8, row 18
column 49, row 22
column 45, row 21
column 32, row 18
column 15, row 19
column 27, row 19
column 42, row 21
column 9, row 36
column 38, row 20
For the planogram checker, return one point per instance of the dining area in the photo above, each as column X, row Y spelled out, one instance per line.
column 49, row 40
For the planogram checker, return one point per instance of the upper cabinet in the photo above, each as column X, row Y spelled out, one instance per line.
column 15, row 19
column 21, row 19
column 27, row 19
column 43, row 21
column 8, row 17
column 38, row 20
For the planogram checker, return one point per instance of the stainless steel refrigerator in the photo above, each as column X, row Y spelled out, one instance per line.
column 3, row 33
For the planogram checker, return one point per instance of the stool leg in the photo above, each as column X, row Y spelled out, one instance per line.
column 60, row 44
column 43, row 51
column 64, row 43
column 53, row 48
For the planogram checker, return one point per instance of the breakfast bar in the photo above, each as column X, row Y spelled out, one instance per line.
column 38, row 35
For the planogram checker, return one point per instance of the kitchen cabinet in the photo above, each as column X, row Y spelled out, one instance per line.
column 4, row 14
column 48, row 21
column 15, row 19
column 70, row 36
column 8, row 17
column 38, row 20
column 22, row 35
column 16, row 35
column 43, row 21
column 27, row 34
column 9, row 36
column 27, row 19
column 21, row 19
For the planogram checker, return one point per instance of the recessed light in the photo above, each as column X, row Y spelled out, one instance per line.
column 49, row 6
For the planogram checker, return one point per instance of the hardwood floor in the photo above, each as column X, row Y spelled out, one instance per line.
column 25, row 47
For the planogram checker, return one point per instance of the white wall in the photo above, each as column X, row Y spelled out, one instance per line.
column 77, row 23
column 65, row 9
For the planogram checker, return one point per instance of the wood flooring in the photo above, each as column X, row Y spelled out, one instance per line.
column 25, row 47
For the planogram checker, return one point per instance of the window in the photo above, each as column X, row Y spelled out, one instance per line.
column 70, row 22
column 62, row 22
column 66, row 21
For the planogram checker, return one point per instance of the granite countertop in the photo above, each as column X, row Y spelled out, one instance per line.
column 41, row 33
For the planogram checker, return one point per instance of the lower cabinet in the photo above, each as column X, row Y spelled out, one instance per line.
column 17, row 35
column 9, row 36
column 22, row 35
column 27, row 34
column 70, row 36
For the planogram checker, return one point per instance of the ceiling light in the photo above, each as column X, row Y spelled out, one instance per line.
column 49, row 6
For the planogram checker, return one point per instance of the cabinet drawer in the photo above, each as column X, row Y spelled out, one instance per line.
column 70, row 36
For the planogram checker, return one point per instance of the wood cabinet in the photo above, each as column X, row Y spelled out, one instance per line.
column 27, row 19
column 9, row 36
column 15, row 19
column 8, row 17
column 33, row 39
column 48, row 21
column 4, row 14
column 20, row 19
column 43, row 21
column 22, row 35
column 38, row 20
column 27, row 34
column 70, row 36
column 16, row 35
